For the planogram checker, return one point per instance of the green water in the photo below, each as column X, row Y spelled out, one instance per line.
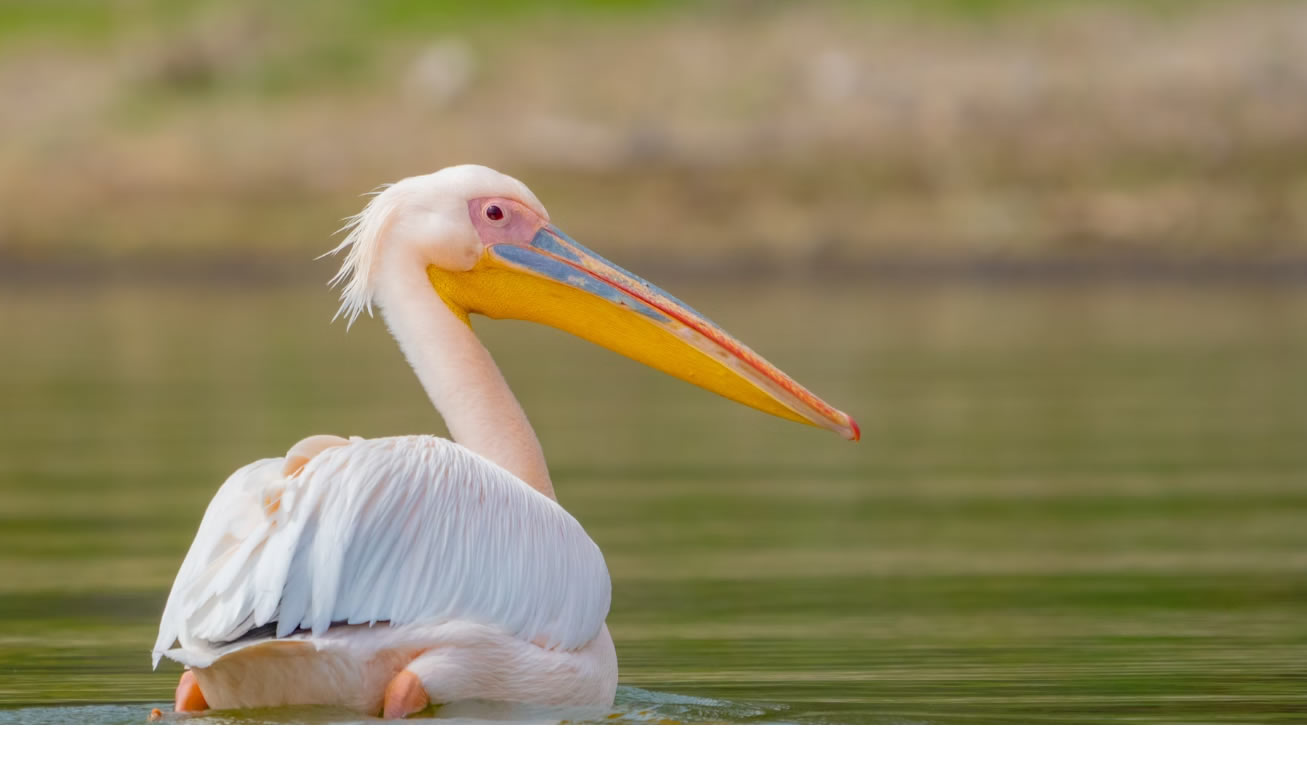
column 1070, row 504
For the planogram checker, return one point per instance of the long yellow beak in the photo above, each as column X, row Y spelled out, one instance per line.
column 555, row 281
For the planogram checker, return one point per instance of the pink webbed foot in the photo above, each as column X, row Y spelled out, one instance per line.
column 404, row 696
column 189, row 698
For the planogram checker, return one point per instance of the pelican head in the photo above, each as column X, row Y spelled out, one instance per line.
column 486, row 245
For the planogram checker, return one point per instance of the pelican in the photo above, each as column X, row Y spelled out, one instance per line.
column 389, row 575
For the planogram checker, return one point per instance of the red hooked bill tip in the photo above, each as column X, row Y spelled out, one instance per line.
column 857, row 432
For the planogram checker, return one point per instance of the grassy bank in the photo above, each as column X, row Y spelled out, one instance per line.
column 721, row 131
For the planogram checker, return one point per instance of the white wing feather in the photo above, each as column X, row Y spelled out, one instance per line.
column 400, row 529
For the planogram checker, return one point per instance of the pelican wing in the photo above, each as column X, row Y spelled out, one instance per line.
column 396, row 530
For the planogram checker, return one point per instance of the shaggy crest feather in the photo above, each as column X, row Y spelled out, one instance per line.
column 391, row 203
column 356, row 272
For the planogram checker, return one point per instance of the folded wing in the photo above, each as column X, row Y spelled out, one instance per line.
column 396, row 530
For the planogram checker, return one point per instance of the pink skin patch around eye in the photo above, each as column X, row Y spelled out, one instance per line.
column 519, row 227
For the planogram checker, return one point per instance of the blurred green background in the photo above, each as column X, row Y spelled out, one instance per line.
column 752, row 131
column 1052, row 256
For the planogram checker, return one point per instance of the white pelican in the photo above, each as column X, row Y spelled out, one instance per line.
column 384, row 575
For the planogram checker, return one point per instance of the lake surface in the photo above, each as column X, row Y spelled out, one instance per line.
column 1070, row 504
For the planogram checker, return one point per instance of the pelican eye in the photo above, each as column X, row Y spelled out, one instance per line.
column 495, row 214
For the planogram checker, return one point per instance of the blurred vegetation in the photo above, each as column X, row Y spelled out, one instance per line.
column 741, row 131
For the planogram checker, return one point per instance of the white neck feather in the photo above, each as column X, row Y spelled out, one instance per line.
column 459, row 375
